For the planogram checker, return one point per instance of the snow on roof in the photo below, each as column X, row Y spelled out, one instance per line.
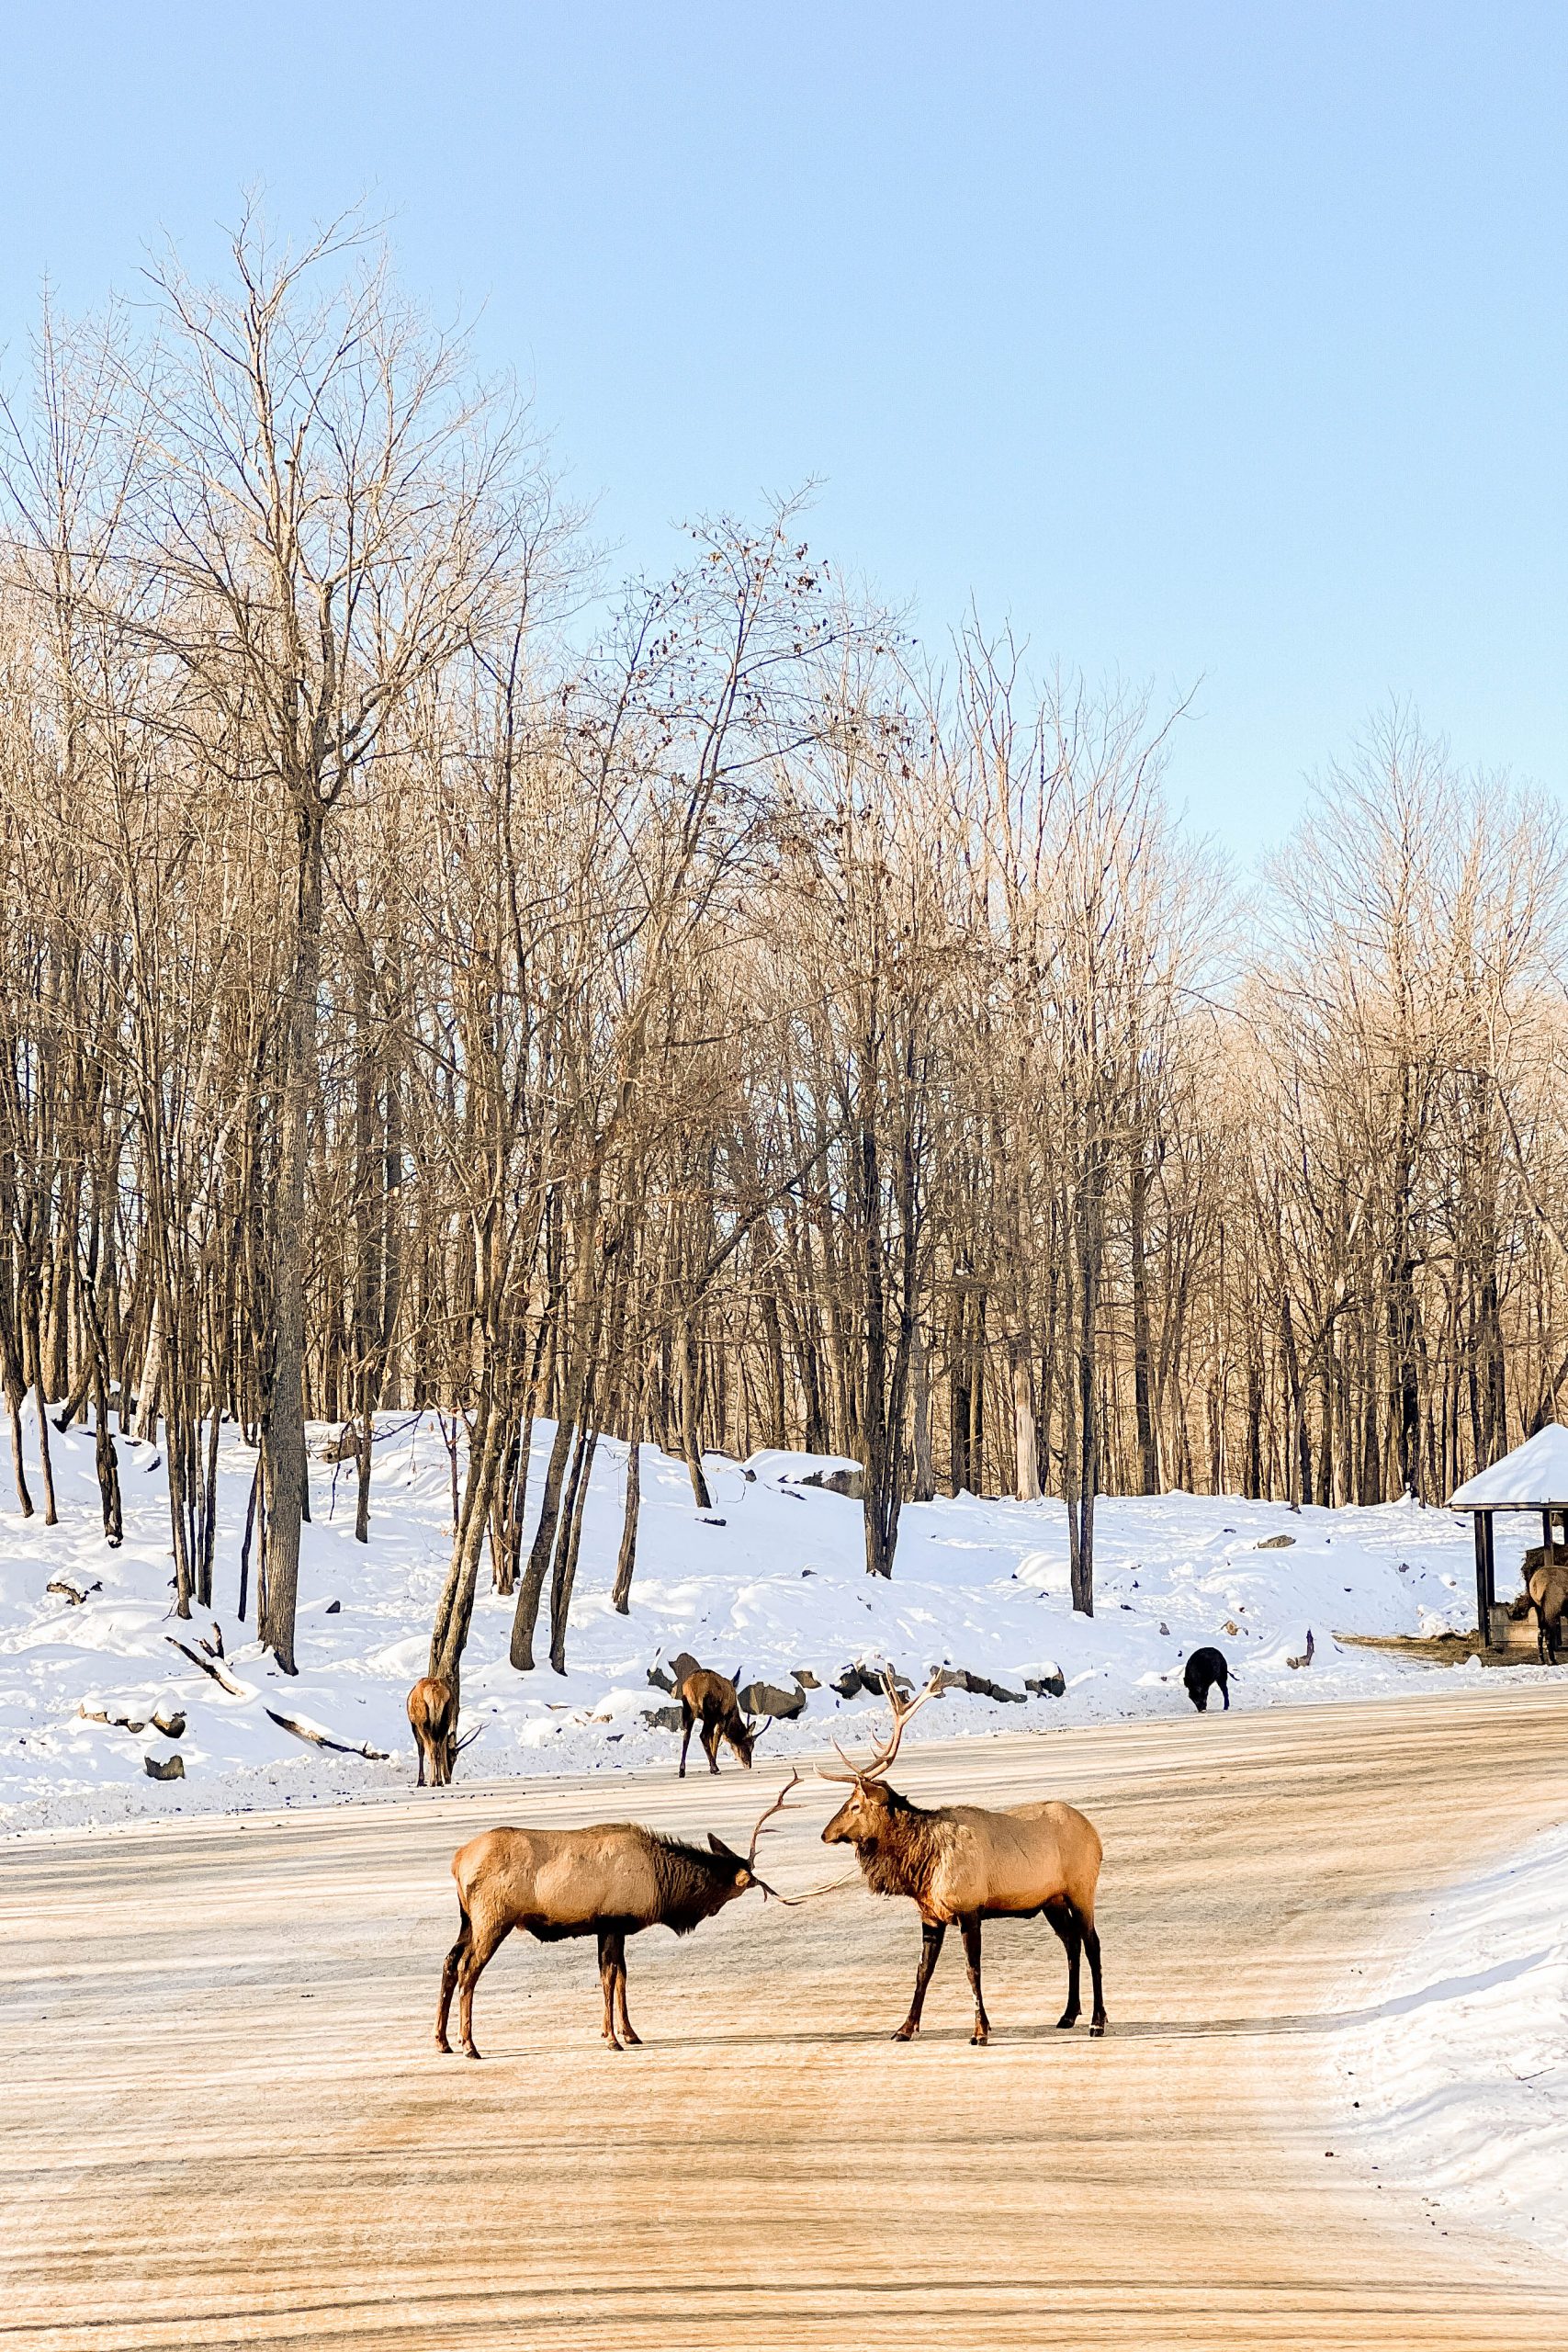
column 1533, row 1476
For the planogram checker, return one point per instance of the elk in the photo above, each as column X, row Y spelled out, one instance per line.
column 710, row 1699
column 611, row 1880
column 962, row 1863
column 1546, row 1597
column 1206, row 1670
column 433, row 1713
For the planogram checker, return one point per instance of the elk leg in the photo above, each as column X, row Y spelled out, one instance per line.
column 419, row 1743
column 1091, row 1945
column 481, row 1951
column 971, row 1926
column 710, row 1742
column 931, row 1934
column 608, row 1971
column 626, row 2033
column 1064, row 1920
column 455, row 1958
column 686, row 1740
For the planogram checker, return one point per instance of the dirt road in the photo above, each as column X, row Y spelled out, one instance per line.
column 224, row 2122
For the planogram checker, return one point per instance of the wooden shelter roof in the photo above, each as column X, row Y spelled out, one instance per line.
column 1533, row 1477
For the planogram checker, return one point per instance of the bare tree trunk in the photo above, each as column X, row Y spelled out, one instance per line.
column 1149, row 1467
column 924, row 1487
column 290, row 1474
column 1026, row 1441
column 569, row 1545
column 691, row 1433
column 525, row 1615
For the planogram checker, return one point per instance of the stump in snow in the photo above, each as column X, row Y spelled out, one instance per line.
column 169, row 1721
column 164, row 1768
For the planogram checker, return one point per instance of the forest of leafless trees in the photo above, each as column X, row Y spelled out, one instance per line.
column 691, row 1014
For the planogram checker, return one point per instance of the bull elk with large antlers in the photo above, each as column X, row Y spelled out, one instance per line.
column 612, row 1881
column 962, row 1863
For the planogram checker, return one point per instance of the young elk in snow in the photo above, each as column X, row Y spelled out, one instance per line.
column 961, row 1863
column 612, row 1881
column 710, row 1699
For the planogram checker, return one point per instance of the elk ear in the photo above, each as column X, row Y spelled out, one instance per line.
column 726, row 1853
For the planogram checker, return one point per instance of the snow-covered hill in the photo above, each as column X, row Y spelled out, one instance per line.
column 778, row 1584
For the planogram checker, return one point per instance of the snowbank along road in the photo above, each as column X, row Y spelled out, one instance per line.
column 226, row 2122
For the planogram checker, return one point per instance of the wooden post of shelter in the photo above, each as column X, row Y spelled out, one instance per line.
column 1485, row 1578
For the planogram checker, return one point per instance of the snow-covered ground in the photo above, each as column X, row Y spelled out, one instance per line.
column 778, row 1583
column 1454, row 2081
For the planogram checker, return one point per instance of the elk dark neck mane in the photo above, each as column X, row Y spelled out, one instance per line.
column 901, row 1860
column 692, row 1884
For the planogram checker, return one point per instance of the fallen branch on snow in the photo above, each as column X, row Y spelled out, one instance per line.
column 225, row 1680
column 319, row 1738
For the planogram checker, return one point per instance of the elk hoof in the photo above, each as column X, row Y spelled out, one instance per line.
column 1096, row 2030
column 468, row 2050
column 633, row 2040
column 1067, row 2019
column 978, row 2040
column 444, row 2045
column 906, row 2031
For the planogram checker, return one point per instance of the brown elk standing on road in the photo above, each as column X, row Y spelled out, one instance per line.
column 962, row 1863
column 710, row 1699
column 612, row 1881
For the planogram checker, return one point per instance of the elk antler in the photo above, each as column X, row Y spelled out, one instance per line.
column 882, row 1758
column 763, row 1818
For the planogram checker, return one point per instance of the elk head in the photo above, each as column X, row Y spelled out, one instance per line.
column 862, row 1818
column 743, row 1732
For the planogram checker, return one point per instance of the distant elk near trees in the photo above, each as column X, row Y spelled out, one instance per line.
column 611, row 1880
column 433, row 1706
column 1545, row 1599
column 711, row 1701
column 433, row 1717
column 966, row 1863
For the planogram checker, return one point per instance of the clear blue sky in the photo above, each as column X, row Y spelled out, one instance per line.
column 1204, row 342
